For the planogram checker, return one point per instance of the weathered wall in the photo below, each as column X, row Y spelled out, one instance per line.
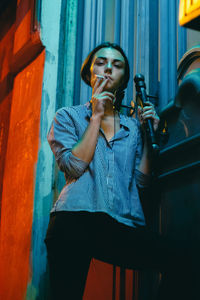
column 50, row 27
column 7, row 21
column 19, row 179
column 22, row 63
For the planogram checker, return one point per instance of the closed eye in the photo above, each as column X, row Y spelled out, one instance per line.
column 118, row 66
column 99, row 63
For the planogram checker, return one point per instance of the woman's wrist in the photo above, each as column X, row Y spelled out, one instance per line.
column 96, row 119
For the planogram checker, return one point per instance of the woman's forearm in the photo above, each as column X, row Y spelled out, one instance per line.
column 145, row 163
column 85, row 148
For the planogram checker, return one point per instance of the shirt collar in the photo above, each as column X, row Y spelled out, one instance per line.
column 124, row 122
column 123, row 119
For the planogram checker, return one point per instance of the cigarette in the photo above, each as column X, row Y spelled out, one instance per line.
column 100, row 76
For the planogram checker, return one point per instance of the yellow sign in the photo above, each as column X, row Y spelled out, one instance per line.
column 189, row 13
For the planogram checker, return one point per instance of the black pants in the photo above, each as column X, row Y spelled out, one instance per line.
column 73, row 238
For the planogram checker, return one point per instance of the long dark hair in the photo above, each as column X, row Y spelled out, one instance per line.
column 86, row 75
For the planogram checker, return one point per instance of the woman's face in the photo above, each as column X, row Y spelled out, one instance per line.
column 109, row 63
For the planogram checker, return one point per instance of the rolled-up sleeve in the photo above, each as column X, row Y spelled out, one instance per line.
column 62, row 137
column 142, row 180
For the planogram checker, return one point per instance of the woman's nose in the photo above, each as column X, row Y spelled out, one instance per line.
column 109, row 66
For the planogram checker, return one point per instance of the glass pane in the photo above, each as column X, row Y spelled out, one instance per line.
column 193, row 38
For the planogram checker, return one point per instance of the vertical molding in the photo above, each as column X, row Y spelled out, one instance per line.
column 89, row 24
column 100, row 28
column 146, row 48
column 142, row 39
column 109, row 23
column 182, row 38
column 70, row 50
column 153, row 48
column 93, row 34
column 61, row 53
column 172, row 48
column 164, row 53
column 117, row 21
column 168, row 51
column 89, row 38
column 127, row 41
column 79, row 43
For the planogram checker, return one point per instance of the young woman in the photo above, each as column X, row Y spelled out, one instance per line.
column 104, row 159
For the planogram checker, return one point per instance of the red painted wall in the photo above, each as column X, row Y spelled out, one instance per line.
column 7, row 29
column 18, row 181
column 21, row 75
column 100, row 285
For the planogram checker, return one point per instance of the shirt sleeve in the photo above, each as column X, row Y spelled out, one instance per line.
column 62, row 137
column 142, row 180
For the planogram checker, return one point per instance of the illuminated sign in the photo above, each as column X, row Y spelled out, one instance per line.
column 189, row 13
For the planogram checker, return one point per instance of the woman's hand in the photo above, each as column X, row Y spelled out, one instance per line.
column 148, row 112
column 100, row 97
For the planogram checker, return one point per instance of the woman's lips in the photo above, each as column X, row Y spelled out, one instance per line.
column 109, row 77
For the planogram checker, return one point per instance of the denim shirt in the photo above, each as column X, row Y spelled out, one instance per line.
column 109, row 182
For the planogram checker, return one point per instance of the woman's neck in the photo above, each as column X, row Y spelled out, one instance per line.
column 109, row 109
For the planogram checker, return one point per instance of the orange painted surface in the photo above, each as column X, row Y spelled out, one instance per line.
column 18, row 181
column 129, row 284
column 4, row 128
column 117, row 290
column 99, row 284
column 99, row 281
column 7, row 30
column 6, row 48
column 23, row 24
column 22, row 34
